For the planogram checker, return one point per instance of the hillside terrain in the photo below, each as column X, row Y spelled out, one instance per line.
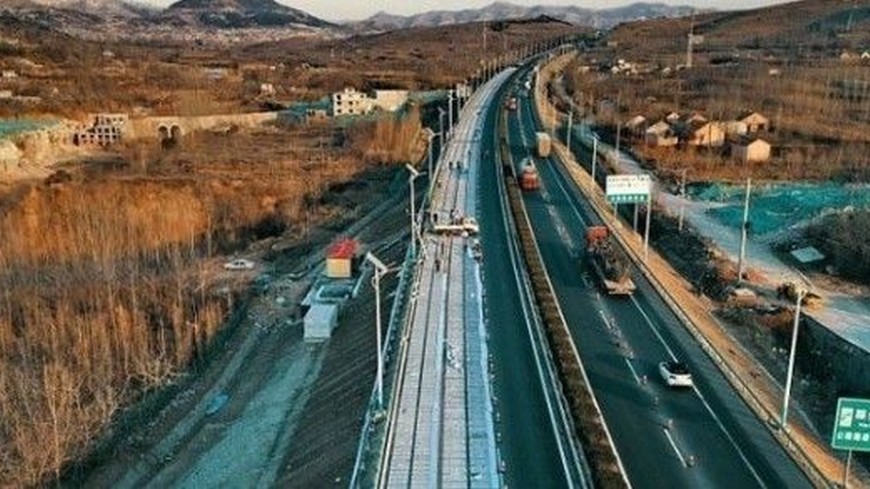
column 803, row 29
column 805, row 78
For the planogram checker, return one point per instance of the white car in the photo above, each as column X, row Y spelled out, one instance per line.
column 675, row 374
column 239, row 264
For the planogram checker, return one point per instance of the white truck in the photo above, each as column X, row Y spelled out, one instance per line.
column 543, row 144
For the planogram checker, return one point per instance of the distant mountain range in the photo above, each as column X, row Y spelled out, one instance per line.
column 235, row 14
column 598, row 18
column 196, row 19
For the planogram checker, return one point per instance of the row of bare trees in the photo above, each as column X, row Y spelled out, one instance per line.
column 96, row 305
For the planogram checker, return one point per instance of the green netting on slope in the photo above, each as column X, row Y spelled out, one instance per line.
column 779, row 206
column 10, row 127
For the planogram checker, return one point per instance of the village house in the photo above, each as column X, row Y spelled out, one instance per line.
column 734, row 128
column 672, row 118
column 267, row 90
column 9, row 74
column 105, row 130
column 660, row 134
column 754, row 121
column 750, row 149
column 352, row 102
column 636, row 125
column 693, row 118
column 707, row 134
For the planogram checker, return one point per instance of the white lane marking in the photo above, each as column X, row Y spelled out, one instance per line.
column 604, row 318
column 633, row 371
column 573, row 207
column 522, row 288
column 701, row 397
column 674, row 446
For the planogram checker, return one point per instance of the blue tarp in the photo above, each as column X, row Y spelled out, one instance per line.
column 778, row 206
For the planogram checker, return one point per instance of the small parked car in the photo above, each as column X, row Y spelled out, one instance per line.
column 675, row 374
column 239, row 264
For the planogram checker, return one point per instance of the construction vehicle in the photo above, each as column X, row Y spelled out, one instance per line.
column 529, row 176
column 454, row 225
column 608, row 261
column 544, row 144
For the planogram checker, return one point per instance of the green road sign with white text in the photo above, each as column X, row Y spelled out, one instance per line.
column 628, row 198
column 852, row 425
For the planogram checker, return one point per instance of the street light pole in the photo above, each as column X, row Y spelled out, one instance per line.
column 646, row 231
column 441, row 133
column 790, row 372
column 429, row 161
column 380, row 270
column 413, row 176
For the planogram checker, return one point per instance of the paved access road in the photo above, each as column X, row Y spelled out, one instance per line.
column 700, row 437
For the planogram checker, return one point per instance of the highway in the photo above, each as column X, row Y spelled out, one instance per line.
column 535, row 445
column 700, row 437
column 448, row 425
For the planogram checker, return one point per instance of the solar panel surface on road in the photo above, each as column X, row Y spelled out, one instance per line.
column 442, row 432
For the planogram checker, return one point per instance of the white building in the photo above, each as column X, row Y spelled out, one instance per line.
column 352, row 102
column 319, row 322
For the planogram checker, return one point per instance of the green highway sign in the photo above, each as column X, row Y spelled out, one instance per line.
column 627, row 198
column 628, row 189
column 852, row 425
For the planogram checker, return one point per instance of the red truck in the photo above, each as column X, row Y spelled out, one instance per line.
column 529, row 176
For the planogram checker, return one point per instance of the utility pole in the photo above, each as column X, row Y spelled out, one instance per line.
column 570, row 120
column 691, row 42
column 618, row 135
column 594, row 156
column 744, row 232
column 646, row 231
column 450, row 110
column 682, row 200
column 790, row 372
column 634, row 223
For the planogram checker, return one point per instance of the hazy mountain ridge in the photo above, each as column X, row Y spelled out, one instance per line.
column 598, row 18
column 185, row 20
column 232, row 14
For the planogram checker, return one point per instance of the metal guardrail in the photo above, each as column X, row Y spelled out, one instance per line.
column 607, row 468
column 544, row 359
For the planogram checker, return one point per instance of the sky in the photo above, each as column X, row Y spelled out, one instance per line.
column 356, row 9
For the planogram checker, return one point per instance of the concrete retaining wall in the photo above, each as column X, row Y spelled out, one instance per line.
column 827, row 356
column 149, row 127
